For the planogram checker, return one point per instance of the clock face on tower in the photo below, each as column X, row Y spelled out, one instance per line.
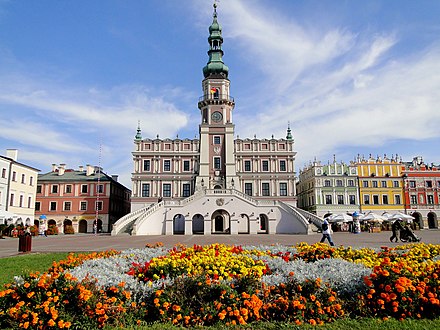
column 216, row 116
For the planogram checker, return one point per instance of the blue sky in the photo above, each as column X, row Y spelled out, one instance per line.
column 351, row 77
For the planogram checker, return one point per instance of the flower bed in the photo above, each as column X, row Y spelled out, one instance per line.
column 204, row 285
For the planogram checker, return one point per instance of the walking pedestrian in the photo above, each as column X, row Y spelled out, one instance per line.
column 396, row 227
column 326, row 233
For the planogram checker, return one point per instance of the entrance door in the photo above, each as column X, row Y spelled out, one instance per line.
column 218, row 224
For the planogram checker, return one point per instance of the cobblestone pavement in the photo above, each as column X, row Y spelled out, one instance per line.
column 102, row 242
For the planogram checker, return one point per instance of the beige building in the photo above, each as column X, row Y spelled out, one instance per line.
column 18, row 186
column 218, row 183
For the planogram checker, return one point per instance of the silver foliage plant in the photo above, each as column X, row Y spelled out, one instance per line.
column 345, row 277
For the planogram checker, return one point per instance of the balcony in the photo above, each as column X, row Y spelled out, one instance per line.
column 215, row 99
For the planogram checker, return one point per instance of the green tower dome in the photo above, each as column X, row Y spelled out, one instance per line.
column 215, row 65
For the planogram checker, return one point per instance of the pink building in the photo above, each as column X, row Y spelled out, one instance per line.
column 79, row 197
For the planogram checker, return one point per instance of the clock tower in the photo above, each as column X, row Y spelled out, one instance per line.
column 217, row 168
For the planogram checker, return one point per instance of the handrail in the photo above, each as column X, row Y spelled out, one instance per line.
column 126, row 219
column 218, row 97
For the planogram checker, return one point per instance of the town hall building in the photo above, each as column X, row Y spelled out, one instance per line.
column 216, row 184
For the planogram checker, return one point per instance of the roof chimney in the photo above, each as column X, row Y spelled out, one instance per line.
column 54, row 167
column 115, row 177
column 61, row 169
column 12, row 153
column 90, row 169
column 81, row 168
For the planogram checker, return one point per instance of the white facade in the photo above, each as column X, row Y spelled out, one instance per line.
column 18, row 186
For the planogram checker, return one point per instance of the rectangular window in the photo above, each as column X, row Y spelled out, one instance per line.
column 11, row 200
column 186, row 164
column 429, row 184
column 383, row 184
column 14, row 176
column 100, row 188
column 31, row 181
column 68, row 188
column 3, row 173
column 67, row 206
column 413, row 199
column 145, row 190
column 23, row 178
column 375, row 199
column 29, row 202
column 166, row 189
column 37, row 206
column 217, row 140
column 54, row 189
column 430, row 199
column 412, row 184
column 327, row 183
column 84, row 189
column 53, row 206
column 167, row 165
column 98, row 206
column 21, row 201
column 283, row 189
column 38, row 189
column 83, row 206
column 265, row 189
column 397, row 199
column 339, row 183
column 340, row 199
column 352, row 199
column 247, row 165
column 282, row 165
column 328, row 199
column 248, row 189
column 186, row 190
column 385, row 199
column 396, row 184
column 366, row 199
column 147, row 165
column 265, row 165
column 365, row 184
column 374, row 184
column 350, row 183
column 217, row 163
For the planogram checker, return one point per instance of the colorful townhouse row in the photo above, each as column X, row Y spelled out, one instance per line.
column 371, row 184
column 86, row 199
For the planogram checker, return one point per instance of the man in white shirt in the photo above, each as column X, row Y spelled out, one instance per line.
column 326, row 233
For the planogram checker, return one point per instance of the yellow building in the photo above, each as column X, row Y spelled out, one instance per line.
column 380, row 184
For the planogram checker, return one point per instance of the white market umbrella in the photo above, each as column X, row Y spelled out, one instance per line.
column 341, row 217
column 400, row 215
column 373, row 217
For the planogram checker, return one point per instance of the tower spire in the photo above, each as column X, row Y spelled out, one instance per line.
column 138, row 132
column 289, row 132
column 215, row 65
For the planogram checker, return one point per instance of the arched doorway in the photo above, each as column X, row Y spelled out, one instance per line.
column 82, row 226
column 198, row 224
column 220, row 219
column 264, row 224
column 67, row 226
column 217, row 187
column 418, row 222
column 179, row 224
column 432, row 220
column 243, row 224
